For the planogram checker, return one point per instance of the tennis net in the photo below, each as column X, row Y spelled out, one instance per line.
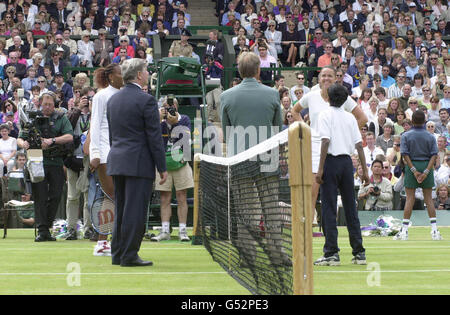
column 245, row 215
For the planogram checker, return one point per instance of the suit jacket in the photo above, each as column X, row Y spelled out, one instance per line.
column 303, row 38
column 100, row 52
column 262, row 109
column 135, row 134
column 334, row 20
column 176, row 31
column 52, row 48
column 62, row 65
column 402, row 30
column 25, row 49
column 55, row 14
column 276, row 40
column 21, row 69
column 356, row 26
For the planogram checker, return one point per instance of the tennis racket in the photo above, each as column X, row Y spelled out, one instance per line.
column 102, row 212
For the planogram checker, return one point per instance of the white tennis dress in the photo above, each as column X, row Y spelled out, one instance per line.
column 99, row 147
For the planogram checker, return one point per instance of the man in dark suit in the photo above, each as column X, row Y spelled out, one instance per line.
column 432, row 63
column 180, row 27
column 351, row 25
column 52, row 48
column 136, row 150
column 110, row 26
column 60, row 14
column 56, row 64
column 306, row 33
column 214, row 46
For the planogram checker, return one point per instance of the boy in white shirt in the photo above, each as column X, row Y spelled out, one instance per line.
column 339, row 133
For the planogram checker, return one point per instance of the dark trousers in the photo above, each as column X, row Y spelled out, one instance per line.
column 132, row 195
column 338, row 174
column 47, row 195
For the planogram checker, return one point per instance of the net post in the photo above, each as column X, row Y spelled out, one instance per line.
column 196, row 236
column 300, row 182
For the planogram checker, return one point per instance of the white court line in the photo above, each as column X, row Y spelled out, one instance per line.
column 89, row 248
column 203, row 248
column 110, row 273
column 200, row 272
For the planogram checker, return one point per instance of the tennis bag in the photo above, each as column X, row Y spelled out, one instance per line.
column 174, row 159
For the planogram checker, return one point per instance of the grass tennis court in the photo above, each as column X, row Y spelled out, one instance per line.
column 417, row 266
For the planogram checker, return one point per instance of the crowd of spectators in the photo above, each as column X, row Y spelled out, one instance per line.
column 40, row 38
column 390, row 55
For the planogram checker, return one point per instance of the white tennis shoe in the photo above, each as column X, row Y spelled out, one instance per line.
column 401, row 236
column 436, row 235
column 103, row 248
column 163, row 236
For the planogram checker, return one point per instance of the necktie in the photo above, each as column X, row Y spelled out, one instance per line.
column 61, row 17
column 418, row 52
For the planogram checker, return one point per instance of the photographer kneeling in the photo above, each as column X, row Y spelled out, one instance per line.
column 176, row 132
column 378, row 194
column 47, row 193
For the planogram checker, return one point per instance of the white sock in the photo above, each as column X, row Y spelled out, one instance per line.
column 165, row 227
column 182, row 226
column 433, row 224
column 405, row 225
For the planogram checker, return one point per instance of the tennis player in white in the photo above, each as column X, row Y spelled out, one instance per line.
column 317, row 101
column 109, row 79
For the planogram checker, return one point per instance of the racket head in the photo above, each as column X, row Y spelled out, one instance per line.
column 102, row 213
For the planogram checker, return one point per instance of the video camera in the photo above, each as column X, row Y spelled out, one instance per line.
column 32, row 129
column 36, row 127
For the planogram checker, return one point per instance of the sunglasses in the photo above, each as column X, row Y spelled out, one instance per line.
column 289, row 116
column 300, row 78
column 41, row 81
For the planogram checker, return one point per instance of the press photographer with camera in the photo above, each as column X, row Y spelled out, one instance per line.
column 176, row 133
column 54, row 130
column 378, row 194
column 75, row 162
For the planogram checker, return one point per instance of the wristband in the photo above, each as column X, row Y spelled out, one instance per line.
column 426, row 171
column 413, row 169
